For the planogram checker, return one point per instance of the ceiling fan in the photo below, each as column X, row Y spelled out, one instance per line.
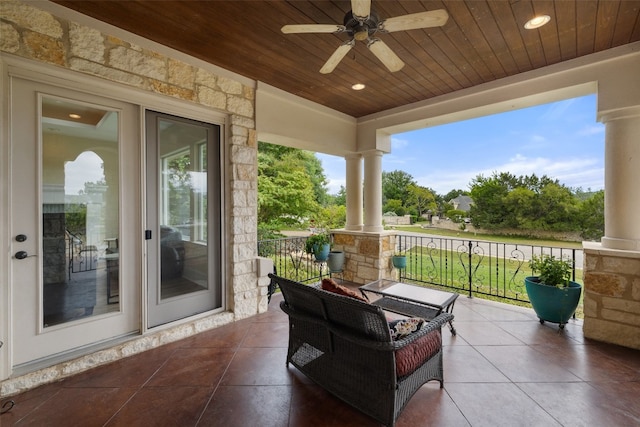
column 361, row 23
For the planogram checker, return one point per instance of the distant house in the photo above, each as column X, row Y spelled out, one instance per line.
column 462, row 203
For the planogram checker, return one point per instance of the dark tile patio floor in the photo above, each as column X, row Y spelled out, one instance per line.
column 502, row 369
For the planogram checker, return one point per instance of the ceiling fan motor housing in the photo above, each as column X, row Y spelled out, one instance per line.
column 355, row 26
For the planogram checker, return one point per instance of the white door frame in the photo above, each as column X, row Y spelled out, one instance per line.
column 32, row 341
column 15, row 66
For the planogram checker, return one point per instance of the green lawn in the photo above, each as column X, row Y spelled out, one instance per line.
column 495, row 279
column 489, row 237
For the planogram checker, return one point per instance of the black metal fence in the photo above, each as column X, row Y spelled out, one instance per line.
column 290, row 260
column 464, row 265
column 81, row 257
column 476, row 266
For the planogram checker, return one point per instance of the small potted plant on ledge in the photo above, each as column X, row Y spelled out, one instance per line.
column 319, row 245
column 553, row 295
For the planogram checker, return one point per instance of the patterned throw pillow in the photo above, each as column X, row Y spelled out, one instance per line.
column 331, row 286
column 402, row 327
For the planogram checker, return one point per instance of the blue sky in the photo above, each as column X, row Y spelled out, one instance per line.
column 562, row 140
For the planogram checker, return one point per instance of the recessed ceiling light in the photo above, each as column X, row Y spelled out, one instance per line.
column 358, row 86
column 537, row 22
column 75, row 116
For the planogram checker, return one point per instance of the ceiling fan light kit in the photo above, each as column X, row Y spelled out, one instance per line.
column 361, row 23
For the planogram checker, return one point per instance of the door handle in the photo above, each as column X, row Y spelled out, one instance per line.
column 21, row 255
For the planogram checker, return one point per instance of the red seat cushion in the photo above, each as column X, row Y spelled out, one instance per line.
column 412, row 356
column 331, row 286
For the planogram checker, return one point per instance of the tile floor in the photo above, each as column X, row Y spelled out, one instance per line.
column 502, row 369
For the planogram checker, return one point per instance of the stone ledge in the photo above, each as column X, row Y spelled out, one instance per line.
column 595, row 248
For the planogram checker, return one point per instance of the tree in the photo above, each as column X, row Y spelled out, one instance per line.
column 519, row 205
column 395, row 185
column 422, row 199
column 340, row 199
column 456, row 215
column 180, row 188
column 558, row 208
column 488, row 194
column 526, row 202
column 286, row 191
column 592, row 216
column 394, row 206
column 269, row 153
column 333, row 216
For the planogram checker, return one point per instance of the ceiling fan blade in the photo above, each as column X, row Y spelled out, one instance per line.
column 413, row 21
column 312, row 28
column 385, row 55
column 336, row 57
column 361, row 8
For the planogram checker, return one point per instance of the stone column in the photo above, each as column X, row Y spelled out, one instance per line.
column 373, row 191
column 354, row 192
column 612, row 267
column 622, row 176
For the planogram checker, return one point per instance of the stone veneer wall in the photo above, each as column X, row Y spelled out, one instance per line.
column 32, row 33
column 612, row 295
column 367, row 255
column 28, row 32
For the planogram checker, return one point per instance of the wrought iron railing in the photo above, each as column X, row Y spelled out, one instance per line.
column 290, row 260
column 464, row 265
column 81, row 257
column 476, row 266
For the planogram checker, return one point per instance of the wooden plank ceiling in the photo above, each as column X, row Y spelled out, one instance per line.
column 481, row 42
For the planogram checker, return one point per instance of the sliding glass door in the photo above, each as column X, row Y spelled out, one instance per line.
column 183, row 217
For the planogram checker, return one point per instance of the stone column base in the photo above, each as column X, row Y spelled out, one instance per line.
column 612, row 295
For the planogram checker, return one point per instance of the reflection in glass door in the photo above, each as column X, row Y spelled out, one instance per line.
column 184, row 212
column 80, row 219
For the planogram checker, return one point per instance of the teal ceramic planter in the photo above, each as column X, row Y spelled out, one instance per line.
column 399, row 261
column 321, row 252
column 552, row 304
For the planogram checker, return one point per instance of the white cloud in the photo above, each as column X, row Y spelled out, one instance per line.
column 538, row 138
column 333, row 185
column 393, row 159
column 398, row 143
column 591, row 130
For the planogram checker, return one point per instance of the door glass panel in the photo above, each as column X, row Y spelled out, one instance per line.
column 80, row 215
column 183, row 213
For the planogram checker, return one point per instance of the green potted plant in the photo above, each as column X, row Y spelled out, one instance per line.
column 319, row 245
column 553, row 295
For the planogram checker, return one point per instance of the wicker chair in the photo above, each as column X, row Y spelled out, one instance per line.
column 345, row 346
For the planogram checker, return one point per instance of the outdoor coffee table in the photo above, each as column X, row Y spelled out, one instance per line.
column 411, row 300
